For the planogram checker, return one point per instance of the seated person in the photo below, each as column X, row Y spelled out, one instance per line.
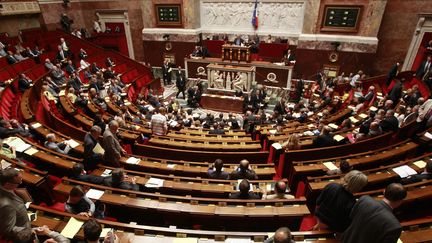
column 117, row 180
column 215, row 171
column 282, row 235
column 78, row 173
column 243, row 172
column 79, row 203
column 280, row 190
column 425, row 175
column 217, row 129
column 92, row 231
column 344, row 167
column 7, row 151
column 62, row 147
column 244, row 192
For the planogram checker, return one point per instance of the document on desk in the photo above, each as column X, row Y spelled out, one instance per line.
column 277, row 146
column 107, row 172
column 105, row 232
column 420, row 163
column 238, row 240
column 31, row 151
column 338, row 138
column 18, row 143
column 363, row 116
column 72, row 143
column 98, row 149
column 404, row 171
column 330, row 165
column 154, row 183
column 133, row 160
column 72, row 227
column 95, row 194
column 428, row 135
column 353, row 119
column 36, row 125
column 5, row 164
column 332, row 125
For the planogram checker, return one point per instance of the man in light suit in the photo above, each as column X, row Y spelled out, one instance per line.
column 373, row 221
column 113, row 150
column 14, row 224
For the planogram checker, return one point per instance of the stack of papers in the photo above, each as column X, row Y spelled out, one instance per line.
column 171, row 166
column 404, row 171
column 36, row 125
column 338, row 138
column 94, row 194
column 72, row 227
column 5, row 164
column 106, row 173
column 154, row 183
column 31, row 151
column 132, row 160
column 428, row 135
column 18, row 143
column 332, row 125
column 277, row 146
column 373, row 108
column 421, row 164
column 273, row 131
column 98, row 149
column 72, row 143
column 362, row 115
column 330, row 165
column 353, row 119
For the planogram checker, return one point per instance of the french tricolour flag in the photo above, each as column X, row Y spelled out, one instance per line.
column 255, row 15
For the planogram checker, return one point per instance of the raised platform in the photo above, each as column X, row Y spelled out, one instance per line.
column 224, row 103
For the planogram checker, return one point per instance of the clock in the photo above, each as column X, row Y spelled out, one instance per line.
column 168, row 46
column 333, row 56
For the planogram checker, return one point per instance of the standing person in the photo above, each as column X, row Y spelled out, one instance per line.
column 14, row 223
column 90, row 158
column 424, row 68
column 180, row 83
column 373, row 221
column 166, row 72
column 113, row 150
column 66, row 23
column 392, row 73
column 158, row 123
column 335, row 202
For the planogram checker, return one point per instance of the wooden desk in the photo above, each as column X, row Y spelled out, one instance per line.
column 235, row 53
column 222, row 103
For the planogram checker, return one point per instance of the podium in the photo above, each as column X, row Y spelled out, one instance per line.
column 235, row 53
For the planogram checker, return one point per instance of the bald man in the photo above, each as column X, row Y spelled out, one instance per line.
column 279, row 192
column 243, row 172
column 282, row 235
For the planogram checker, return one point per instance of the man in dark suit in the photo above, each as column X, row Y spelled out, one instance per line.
column 24, row 82
column 396, row 92
column 217, row 129
column 324, row 139
column 62, row 56
column 117, row 180
column 424, row 68
column 14, row 224
column 166, row 72
column 109, row 62
column 238, row 40
column 425, row 175
column 243, row 172
column 256, row 101
column 10, row 58
column 215, row 171
column 180, row 83
column 90, row 158
column 75, row 82
column 280, row 107
column 393, row 72
column 78, row 173
column 373, row 221
column 244, row 192
column 70, row 68
column 390, row 122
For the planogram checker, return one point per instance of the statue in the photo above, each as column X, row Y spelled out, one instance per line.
column 239, row 82
column 218, row 82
